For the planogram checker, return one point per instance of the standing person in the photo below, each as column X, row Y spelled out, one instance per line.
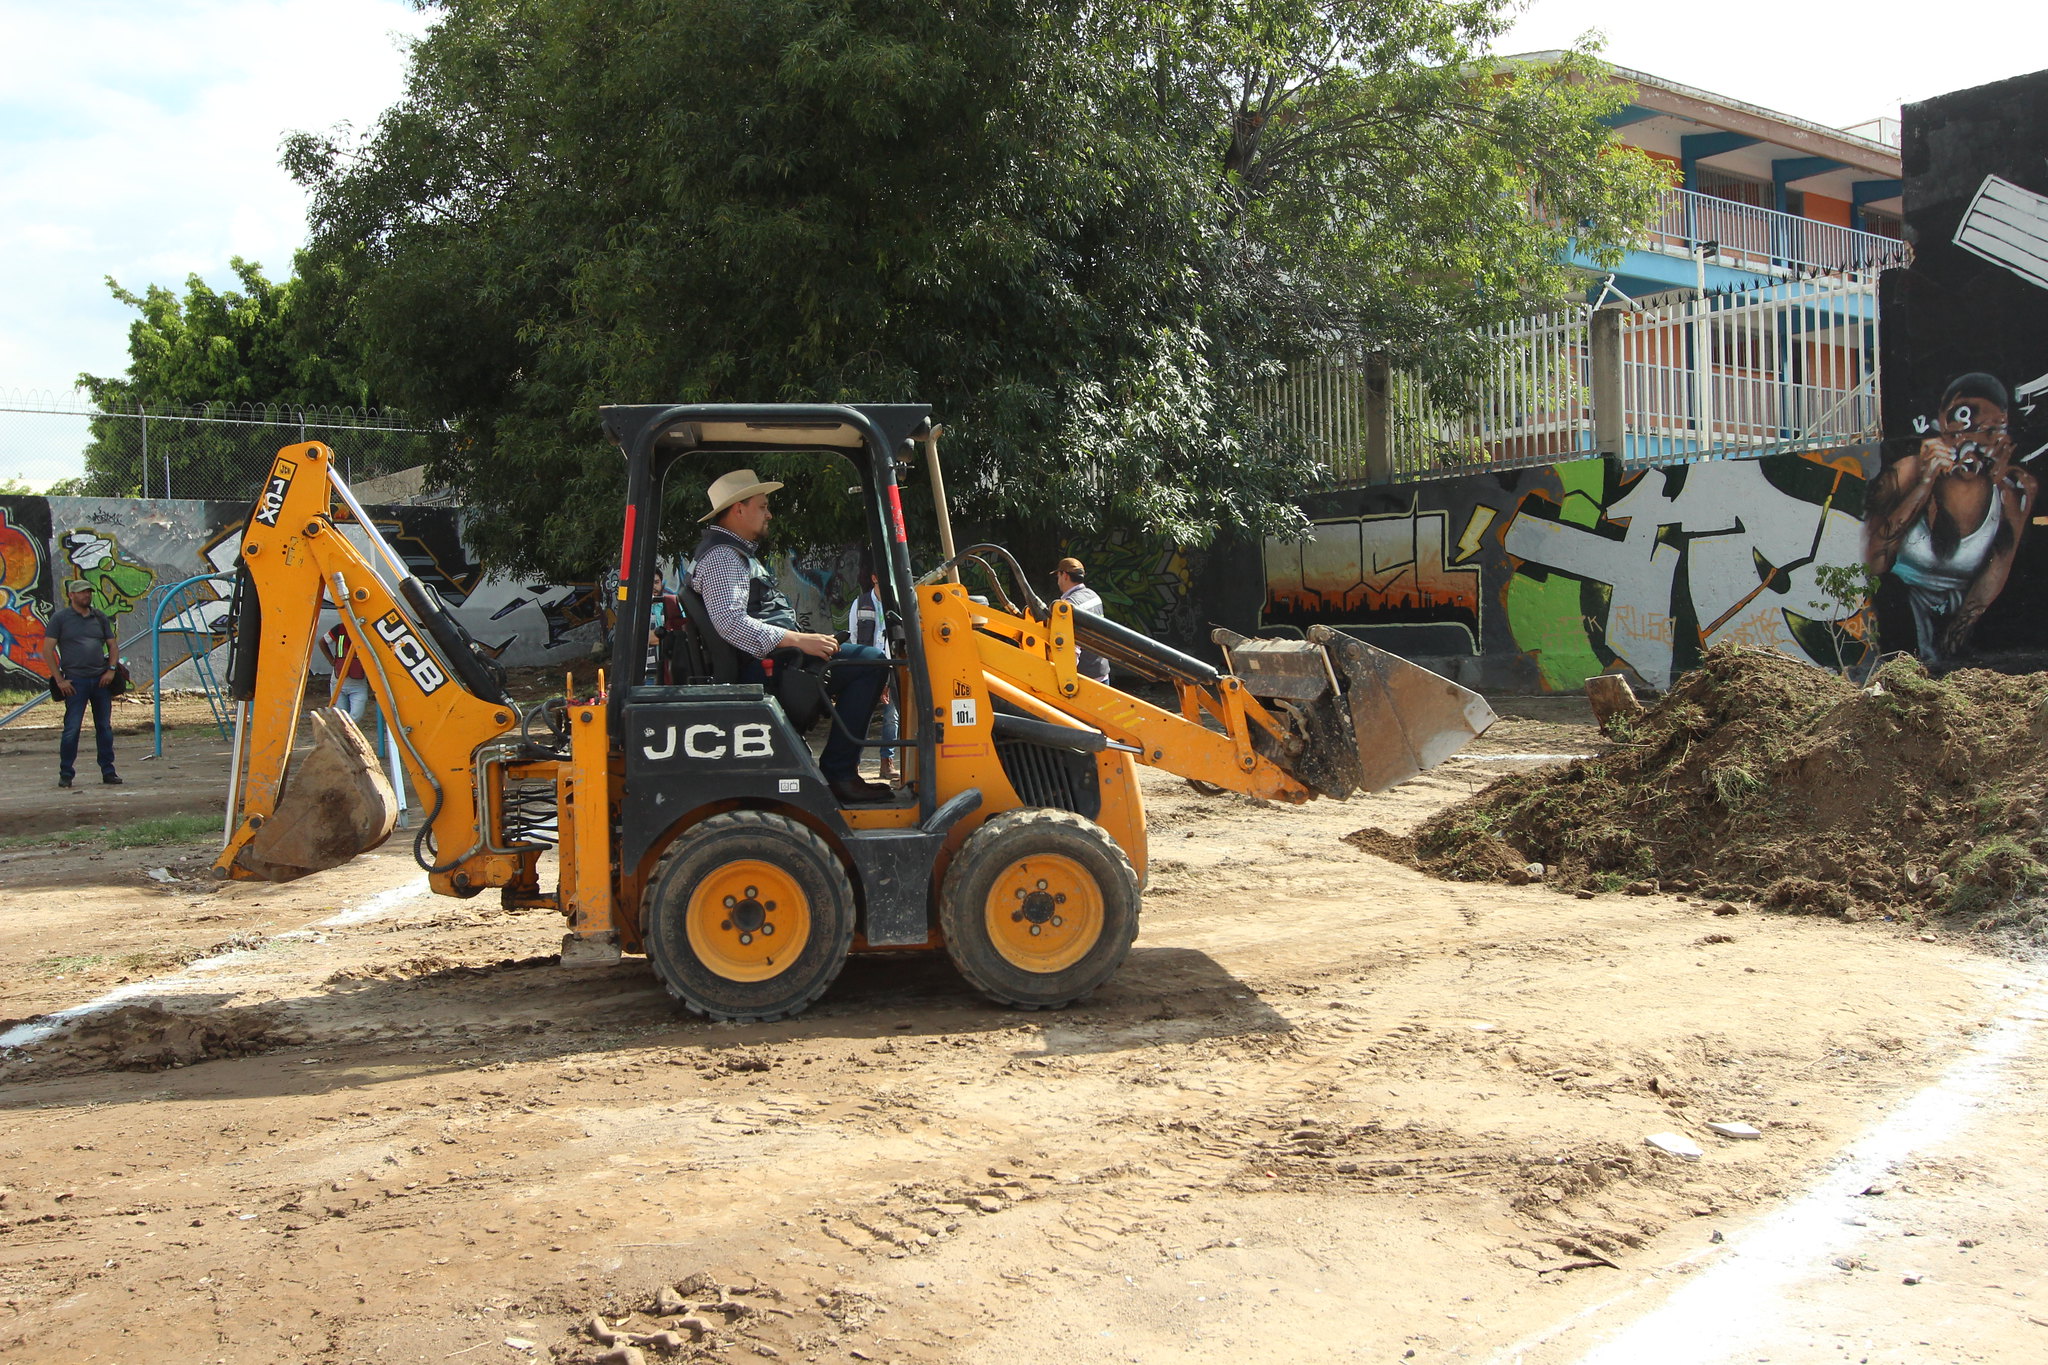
column 866, row 624
column 84, row 638
column 749, row 612
column 354, row 697
column 1072, row 579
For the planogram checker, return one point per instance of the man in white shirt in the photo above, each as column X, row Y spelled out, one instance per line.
column 1072, row 578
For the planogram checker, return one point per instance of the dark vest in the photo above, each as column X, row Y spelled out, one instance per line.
column 765, row 602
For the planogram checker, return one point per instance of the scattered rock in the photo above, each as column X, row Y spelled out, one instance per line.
column 1740, row 1131
column 1875, row 1189
column 1718, row 938
column 622, row 1355
column 1583, row 894
column 1677, row 1144
column 1611, row 696
column 520, row 1343
column 668, row 1303
column 1640, row 888
column 1912, row 1277
column 1724, row 908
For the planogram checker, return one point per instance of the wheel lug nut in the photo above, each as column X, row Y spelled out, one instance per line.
column 730, row 902
column 746, row 938
column 1034, row 931
column 1057, row 920
column 767, row 928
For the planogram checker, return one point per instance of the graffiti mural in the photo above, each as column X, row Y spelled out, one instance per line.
column 1966, row 381
column 1544, row 577
column 1398, row 570
column 118, row 583
column 134, row 552
column 25, row 600
column 1670, row 562
column 1145, row 584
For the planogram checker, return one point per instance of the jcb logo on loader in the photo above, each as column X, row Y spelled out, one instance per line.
column 274, row 491
column 405, row 646
column 713, row 741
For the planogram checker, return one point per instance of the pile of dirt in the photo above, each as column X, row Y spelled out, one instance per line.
column 1761, row 777
column 149, row 1037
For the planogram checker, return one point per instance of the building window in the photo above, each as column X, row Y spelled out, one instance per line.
column 1738, row 188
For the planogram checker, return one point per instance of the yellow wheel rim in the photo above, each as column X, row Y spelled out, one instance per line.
column 748, row 920
column 1044, row 913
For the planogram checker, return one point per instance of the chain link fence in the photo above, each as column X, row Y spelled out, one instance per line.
column 213, row 452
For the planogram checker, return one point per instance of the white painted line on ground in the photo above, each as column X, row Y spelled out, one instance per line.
column 377, row 906
column 1732, row 1309
column 1522, row 758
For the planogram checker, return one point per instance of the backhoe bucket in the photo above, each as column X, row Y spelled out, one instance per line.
column 1362, row 719
column 336, row 803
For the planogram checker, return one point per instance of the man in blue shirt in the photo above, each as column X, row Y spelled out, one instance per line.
column 84, row 640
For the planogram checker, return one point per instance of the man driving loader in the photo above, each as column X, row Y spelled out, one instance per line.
column 748, row 610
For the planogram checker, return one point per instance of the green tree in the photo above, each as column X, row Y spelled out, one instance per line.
column 1086, row 234
column 219, row 354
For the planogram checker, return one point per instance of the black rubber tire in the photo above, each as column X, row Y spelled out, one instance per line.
column 988, row 852
column 702, row 850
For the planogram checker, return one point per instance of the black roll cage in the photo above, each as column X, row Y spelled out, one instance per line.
column 654, row 437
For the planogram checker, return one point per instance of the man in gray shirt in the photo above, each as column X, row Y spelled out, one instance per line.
column 84, row 638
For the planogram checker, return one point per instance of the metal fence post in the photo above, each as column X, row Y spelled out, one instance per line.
column 1610, row 419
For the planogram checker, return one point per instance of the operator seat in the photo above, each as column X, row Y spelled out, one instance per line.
column 708, row 656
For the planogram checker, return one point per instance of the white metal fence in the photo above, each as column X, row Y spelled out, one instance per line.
column 1789, row 365
column 1792, row 364
column 1764, row 240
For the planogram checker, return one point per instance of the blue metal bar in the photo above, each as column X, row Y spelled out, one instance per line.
column 1624, row 116
column 1785, row 170
column 1696, row 147
column 1865, row 192
column 208, row 683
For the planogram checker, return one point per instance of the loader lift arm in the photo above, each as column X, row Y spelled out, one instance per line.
column 419, row 670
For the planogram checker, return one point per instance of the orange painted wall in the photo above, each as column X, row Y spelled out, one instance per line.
column 1822, row 209
column 1677, row 166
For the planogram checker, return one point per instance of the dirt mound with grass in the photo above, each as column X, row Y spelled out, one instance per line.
column 1760, row 777
column 148, row 1037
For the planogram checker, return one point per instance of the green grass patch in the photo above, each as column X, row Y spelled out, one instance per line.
column 163, row 829
column 65, row 966
column 149, row 833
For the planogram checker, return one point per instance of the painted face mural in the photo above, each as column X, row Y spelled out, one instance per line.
column 1946, row 518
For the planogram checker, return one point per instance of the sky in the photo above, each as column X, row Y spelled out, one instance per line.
column 139, row 138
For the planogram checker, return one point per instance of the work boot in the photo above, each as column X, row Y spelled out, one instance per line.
column 113, row 780
column 64, row 782
column 858, row 790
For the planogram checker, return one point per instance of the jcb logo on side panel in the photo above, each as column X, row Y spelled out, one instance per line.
column 711, row 741
column 406, row 648
column 274, row 491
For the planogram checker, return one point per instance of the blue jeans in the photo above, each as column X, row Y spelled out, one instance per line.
column 854, row 692
column 86, row 690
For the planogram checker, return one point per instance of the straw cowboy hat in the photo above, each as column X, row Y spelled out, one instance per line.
column 737, row 486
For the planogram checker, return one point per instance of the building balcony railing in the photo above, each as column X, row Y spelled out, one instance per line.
column 1766, row 241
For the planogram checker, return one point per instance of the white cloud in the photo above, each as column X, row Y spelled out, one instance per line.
column 140, row 140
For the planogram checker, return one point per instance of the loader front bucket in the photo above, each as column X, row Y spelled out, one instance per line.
column 336, row 803
column 1362, row 719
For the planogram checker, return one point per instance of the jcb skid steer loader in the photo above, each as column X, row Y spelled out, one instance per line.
column 691, row 823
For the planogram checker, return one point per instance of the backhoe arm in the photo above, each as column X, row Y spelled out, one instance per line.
column 293, row 553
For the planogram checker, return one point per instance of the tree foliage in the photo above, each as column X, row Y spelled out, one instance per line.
column 266, row 345
column 1087, row 234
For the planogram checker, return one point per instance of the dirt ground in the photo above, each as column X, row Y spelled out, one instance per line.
column 1331, row 1109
